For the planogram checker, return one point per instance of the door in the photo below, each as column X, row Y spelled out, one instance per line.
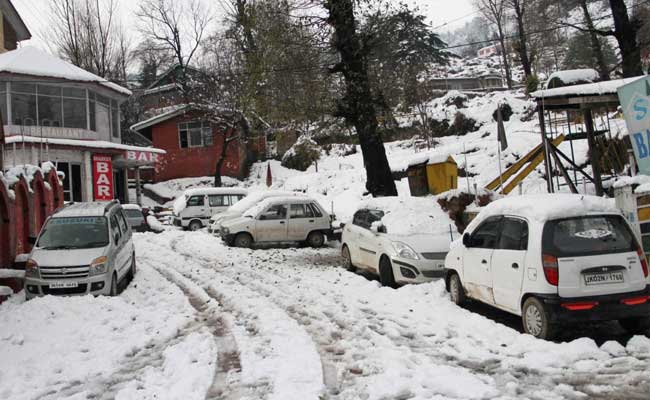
column 196, row 207
column 352, row 234
column 508, row 263
column 218, row 203
column 369, row 240
column 125, row 249
column 477, row 259
column 117, row 245
column 271, row 225
column 301, row 221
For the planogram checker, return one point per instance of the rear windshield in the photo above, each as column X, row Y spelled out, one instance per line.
column 74, row 233
column 130, row 213
column 587, row 236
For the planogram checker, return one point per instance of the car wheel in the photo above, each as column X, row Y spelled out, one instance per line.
column 316, row 239
column 347, row 259
column 456, row 290
column 243, row 240
column 386, row 276
column 195, row 225
column 535, row 319
column 638, row 325
column 113, row 290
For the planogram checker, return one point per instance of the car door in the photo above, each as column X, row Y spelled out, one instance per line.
column 271, row 225
column 196, row 208
column 301, row 221
column 369, row 240
column 508, row 263
column 117, row 245
column 218, row 203
column 352, row 233
column 477, row 259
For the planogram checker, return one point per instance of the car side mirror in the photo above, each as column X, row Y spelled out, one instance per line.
column 467, row 240
column 32, row 240
column 378, row 227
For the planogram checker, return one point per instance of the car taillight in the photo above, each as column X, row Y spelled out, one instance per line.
column 635, row 301
column 644, row 262
column 551, row 271
column 581, row 306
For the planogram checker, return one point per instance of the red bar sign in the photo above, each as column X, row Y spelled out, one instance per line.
column 102, row 177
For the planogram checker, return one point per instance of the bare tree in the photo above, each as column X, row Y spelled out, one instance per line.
column 178, row 26
column 495, row 12
column 520, row 9
column 87, row 34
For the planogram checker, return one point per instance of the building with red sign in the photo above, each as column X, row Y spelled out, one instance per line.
column 193, row 139
column 54, row 111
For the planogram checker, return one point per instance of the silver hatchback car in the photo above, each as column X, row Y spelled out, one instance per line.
column 84, row 248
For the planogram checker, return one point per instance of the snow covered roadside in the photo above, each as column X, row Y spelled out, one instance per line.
column 141, row 344
column 379, row 343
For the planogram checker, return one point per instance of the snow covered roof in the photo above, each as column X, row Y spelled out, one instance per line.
column 268, row 202
column 589, row 89
column 131, row 207
column 429, row 158
column 164, row 115
column 93, row 144
column 29, row 60
column 545, row 207
column 89, row 209
column 572, row 76
column 254, row 198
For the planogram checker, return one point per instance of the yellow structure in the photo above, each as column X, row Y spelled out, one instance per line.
column 434, row 176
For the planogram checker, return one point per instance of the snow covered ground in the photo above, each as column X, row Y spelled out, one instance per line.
column 205, row 321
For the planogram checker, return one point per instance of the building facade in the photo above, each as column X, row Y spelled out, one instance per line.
column 12, row 27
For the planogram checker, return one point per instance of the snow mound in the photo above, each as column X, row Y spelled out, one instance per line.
column 572, row 77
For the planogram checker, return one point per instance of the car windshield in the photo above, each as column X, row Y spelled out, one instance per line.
column 74, row 233
column 585, row 236
column 130, row 213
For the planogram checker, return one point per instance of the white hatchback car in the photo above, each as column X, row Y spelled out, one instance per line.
column 403, row 240
column 553, row 259
column 279, row 220
column 240, row 208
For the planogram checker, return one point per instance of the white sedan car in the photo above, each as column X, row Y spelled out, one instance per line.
column 403, row 240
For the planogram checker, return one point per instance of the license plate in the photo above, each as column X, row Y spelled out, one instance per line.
column 63, row 285
column 604, row 278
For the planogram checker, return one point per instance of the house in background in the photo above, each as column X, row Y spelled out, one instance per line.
column 55, row 111
column 484, row 83
column 12, row 27
column 192, row 138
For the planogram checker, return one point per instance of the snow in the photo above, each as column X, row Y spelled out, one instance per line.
column 161, row 115
column 593, row 89
column 545, row 207
column 93, row 144
column 5, row 291
column 181, row 202
column 13, row 174
column 428, row 158
column 255, row 197
column 175, row 188
column 131, row 207
column 154, row 224
column 11, row 273
column 572, row 76
column 28, row 60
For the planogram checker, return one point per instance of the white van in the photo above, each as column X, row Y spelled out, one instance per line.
column 194, row 208
column 553, row 259
column 279, row 220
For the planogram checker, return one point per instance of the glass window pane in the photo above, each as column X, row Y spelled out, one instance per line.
column 3, row 107
column 297, row 211
column 102, row 99
column 49, row 111
column 74, row 92
column 183, row 139
column 49, row 90
column 485, row 237
column 514, row 235
column 194, row 124
column 23, row 109
column 195, row 138
column 91, row 114
column 195, row 201
column 115, row 122
column 207, row 137
column 74, row 113
column 23, row 87
column 216, row 200
column 276, row 212
column 75, row 170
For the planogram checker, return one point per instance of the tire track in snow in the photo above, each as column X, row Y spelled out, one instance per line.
column 609, row 381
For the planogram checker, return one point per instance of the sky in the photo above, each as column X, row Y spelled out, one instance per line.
column 442, row 14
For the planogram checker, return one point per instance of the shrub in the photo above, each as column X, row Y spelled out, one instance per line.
column 302, row 154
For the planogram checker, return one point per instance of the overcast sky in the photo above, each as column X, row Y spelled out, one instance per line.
column 444, row 14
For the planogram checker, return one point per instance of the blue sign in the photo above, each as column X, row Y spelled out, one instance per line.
column 635, row 101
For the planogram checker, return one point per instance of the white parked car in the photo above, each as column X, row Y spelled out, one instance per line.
column 84, row 248
column 553, row 259
column 279, row 220
column 403, row 240
column 240, row 208
column 194, row 208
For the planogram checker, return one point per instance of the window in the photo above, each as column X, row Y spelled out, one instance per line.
column 71, row 181
column 195, row 134
column 115, row 230
column 276, row 212
column 218, row 200
column 23, row 108
column 76, row 232
column 123, row 225
column 360, row 218
column 514, row 235
column 301, row 211
column 49, row 111
column 485, row 237
column 315, row 210
column 195, row 201
column 374, row 216
column 235, row 198
column 74, row 113
column 3, row 102
column 115, row 121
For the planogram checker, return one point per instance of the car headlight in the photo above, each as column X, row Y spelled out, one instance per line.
column 31, row 269
column 98, row 266
column 405, row 251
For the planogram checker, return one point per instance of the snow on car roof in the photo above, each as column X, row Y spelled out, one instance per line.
column 545, row 207
column 131, row 207
column 89, row 209
column 254, row 198
column 214, row 190
column 262, row 205
column 406, row 216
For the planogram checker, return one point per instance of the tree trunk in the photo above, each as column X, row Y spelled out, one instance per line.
column 523, row 47
column 504, row 55
column 625, row 33
column 357, row 105
column 222, row 157
column 603, row 70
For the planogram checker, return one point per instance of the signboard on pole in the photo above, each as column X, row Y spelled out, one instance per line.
column 102, row 177
column 635, row 102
